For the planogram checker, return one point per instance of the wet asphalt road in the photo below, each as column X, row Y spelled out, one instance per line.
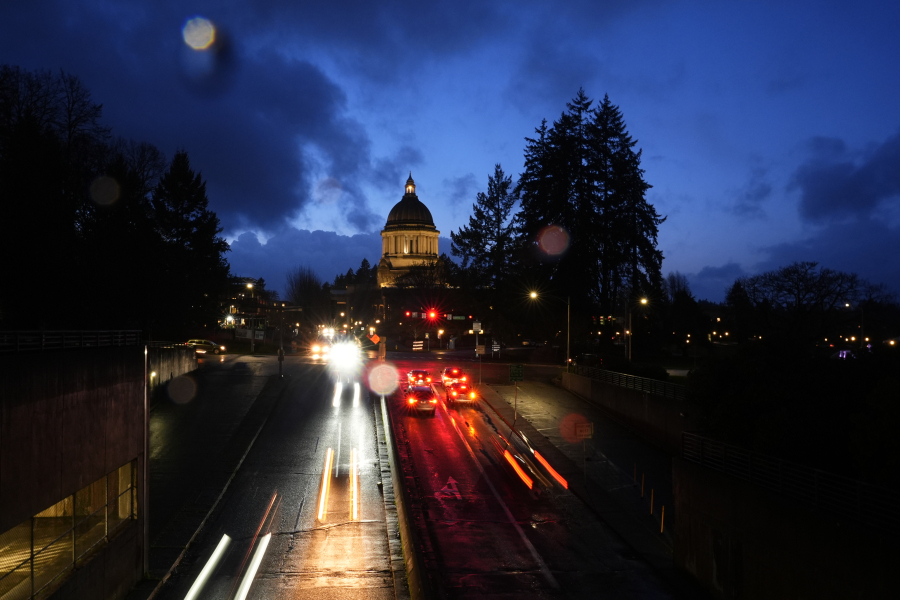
column 487, row 535
column 313, row 547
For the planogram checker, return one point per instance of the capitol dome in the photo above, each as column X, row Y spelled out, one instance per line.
column 410, row 210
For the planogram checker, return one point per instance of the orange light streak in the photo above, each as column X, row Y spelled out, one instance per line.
column 552, row 471
column 518, row 469
column 323, row 498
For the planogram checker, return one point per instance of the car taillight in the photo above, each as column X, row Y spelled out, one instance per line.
column 455, row 371
column 411, row 400
column 453, row 393
column 434, row 400
column 463, row 378
column 472, row 395
column 428, row 379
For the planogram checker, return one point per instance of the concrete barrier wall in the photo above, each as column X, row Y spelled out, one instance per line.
column 745, row 542
column 661, row 420
column 168, row 363
column 67, row 419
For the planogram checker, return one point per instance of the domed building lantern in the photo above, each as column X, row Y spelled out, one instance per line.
column 409, row 237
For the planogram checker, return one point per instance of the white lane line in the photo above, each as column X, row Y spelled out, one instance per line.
column 338, row 388
column 208, row 569
column 253, row 568
column 355, row 393
column 545, row 570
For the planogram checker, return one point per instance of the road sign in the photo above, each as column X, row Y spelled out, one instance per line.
column 584, row 431
column 476, row 326
column 426, row 336
column 479, row 349
column 495, row 347
column 517, row 372
column 417, row 346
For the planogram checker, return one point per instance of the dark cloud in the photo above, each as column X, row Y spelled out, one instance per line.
column 326, row 252
column 712, row 283
column 461, row 190
column 750, row 198
column 866, row 247
column 836, row 184
column 262, row 135
column 390, row 173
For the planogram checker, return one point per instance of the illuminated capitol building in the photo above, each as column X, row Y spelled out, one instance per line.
column 409, row 237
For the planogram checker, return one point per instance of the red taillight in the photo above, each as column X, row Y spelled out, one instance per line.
column 434, row 400
column 428, row 379
column 411, row 400
column 455, row 371
column 463, row 378
column 453, row 393
column 472, row 395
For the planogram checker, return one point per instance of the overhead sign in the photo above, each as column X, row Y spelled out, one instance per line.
column 517, row 372
column 584, row 431
column 417, row 346
column 496, row 347
column 476, row 326
column 479, row 349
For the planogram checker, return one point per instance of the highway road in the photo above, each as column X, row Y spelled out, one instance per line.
column 284, row 476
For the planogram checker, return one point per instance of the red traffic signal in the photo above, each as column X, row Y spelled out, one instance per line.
column 407, row 313
column 431, row 314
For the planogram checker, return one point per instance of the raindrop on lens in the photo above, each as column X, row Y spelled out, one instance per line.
column 104, row 190
column 553, row 240
column 182, row 389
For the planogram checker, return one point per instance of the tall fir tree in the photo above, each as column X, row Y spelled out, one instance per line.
column 485, row 245
column 196, row 269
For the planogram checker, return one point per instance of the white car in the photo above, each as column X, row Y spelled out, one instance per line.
column 204, row 346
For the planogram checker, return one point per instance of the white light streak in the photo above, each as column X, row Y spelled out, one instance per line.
column 253, row 568
column 338, row 388
column 208, row 569
column 354, row 486
column 355, row 393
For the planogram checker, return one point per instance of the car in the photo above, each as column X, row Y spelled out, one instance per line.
column 461, row 392
column 320, row 350
column 421, row 398
column 418, row 377
column 205, row 346
column 452, row 375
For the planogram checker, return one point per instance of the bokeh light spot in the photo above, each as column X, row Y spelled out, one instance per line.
column 182, row 389
column 104, row 190
column 383, row 379
column 553, row 239
column 199, row 33
column 567, row 426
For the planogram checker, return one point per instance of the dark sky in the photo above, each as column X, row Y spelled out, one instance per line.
column 770, row 130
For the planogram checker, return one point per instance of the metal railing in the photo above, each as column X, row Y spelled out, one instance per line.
column 24, row 341
column 632, row 382
column 828, row 492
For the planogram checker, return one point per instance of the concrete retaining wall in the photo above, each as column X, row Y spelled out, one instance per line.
column 661, row 420
column 67, row 419
column 168, row 363
column 741, row 541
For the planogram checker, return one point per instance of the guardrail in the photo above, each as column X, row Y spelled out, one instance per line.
column 24, row 341
column 828, row 492
column 632, row 382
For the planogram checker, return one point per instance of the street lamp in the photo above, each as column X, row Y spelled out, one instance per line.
column 534, row 295
column 631, row 330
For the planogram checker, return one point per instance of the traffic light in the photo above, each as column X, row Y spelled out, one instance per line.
column 432, row 314
column 407, row 313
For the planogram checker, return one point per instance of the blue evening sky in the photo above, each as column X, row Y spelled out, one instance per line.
column 770, row 130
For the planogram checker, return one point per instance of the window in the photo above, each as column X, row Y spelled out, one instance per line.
column 44, row 548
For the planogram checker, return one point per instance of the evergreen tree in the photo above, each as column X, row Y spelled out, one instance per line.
column 196, row 271
column 485, row 245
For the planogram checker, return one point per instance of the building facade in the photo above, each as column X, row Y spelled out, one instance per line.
column 409, row 237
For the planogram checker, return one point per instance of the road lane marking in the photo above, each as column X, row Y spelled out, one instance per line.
column 450, row 488
column 355, row 394
column 338, row 388
column 208, row 568
column 337, row 462
column 545, row 570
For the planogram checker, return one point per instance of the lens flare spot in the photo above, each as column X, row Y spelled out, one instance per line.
column 553, row 240
column 383, row 379
column 199, row 33
column 567, row 426
column 104, row 190
column 182, row 389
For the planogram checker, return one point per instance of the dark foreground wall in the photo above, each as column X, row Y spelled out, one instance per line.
column 745, row 542
column 661, row 420
column 68, row 419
